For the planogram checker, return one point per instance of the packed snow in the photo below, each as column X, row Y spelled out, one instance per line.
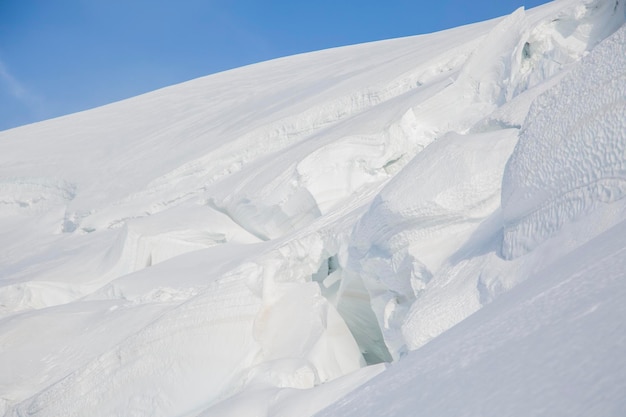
column 432, row 225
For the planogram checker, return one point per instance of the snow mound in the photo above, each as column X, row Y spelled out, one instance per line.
column 421, row 218
column 245, row 329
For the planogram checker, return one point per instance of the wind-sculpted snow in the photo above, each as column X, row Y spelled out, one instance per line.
column 254, row 243
column 260, row 324
column 570, row 159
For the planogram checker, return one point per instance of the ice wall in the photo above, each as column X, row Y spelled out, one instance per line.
column 571, row 157
column 419, row 220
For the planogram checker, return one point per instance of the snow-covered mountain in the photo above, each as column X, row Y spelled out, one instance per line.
column 432, row 225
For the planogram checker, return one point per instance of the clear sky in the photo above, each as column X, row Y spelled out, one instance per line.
column 62, row 56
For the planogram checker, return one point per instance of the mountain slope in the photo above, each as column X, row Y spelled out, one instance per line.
column 247, row 243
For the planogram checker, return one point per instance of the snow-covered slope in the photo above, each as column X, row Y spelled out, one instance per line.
column 257, row 242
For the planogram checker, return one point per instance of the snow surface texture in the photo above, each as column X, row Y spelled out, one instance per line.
column 255, row 243
column 571, row 159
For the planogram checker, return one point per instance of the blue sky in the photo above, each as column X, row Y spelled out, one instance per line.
column 62, row 56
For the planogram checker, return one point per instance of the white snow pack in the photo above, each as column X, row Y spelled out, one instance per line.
column 264, row 241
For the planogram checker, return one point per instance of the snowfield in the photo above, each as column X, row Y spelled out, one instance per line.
column 433, row 225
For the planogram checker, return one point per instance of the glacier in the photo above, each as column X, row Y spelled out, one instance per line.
column 428, row 225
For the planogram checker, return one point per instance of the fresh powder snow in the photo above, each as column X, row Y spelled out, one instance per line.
column 433, row 225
